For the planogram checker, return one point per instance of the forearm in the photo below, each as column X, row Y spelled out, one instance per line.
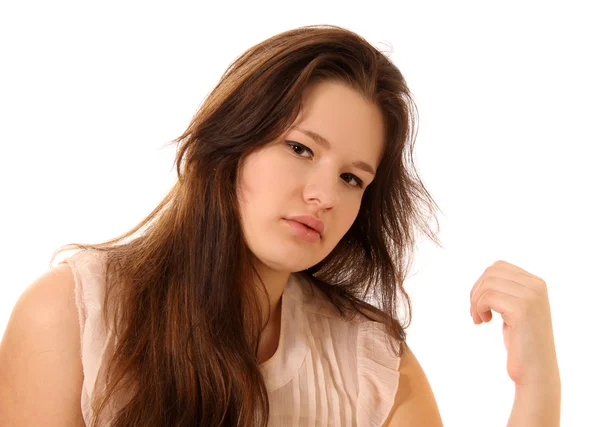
column 536, row 407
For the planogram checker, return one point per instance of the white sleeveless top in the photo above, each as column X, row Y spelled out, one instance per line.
column 325, row 372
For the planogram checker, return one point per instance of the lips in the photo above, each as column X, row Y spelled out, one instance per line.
column 304, row 232
column 310, row 222
column 307, row 226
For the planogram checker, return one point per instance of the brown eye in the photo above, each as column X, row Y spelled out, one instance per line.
column 298, row 148
column 359, row 183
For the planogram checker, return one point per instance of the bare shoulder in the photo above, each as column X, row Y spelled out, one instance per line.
column 414, row 403
column 41, row 375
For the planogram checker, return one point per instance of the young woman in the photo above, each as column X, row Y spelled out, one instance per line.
column 263, row 290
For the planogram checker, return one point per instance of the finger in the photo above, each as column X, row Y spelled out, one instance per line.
column 501, row 285
column 509, row 266
column 509, row 282
column 509, row 274
column 504, row 304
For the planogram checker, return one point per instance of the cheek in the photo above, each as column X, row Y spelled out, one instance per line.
column 263, row 183
column 347, row 216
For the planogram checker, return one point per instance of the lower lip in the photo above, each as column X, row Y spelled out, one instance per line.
column 303, row 232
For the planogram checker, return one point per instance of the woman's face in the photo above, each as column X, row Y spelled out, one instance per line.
column 295, row 175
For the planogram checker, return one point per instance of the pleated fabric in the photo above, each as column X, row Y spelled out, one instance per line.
column 326, row 371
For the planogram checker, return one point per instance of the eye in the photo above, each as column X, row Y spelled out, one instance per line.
column 293, row 145
column 359, row 182
column 299, row 148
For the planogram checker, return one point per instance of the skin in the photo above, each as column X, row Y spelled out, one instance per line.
column 282, row 180
column 521, row 298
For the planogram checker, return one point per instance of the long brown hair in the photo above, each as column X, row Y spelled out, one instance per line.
column 186, row 324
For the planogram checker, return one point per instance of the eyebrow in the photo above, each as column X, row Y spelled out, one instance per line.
column 325, row 144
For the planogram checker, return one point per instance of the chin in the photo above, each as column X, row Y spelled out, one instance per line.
column 284, row 265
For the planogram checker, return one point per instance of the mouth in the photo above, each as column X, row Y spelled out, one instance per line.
column 309, row 222
column 310, row 228
column 304, row 232
column 307, row 226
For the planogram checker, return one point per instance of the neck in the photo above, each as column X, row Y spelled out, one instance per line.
column 274, row 282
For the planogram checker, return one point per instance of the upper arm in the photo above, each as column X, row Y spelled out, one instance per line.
column 41, row 375
column 414, row 403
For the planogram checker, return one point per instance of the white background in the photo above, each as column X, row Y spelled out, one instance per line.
column 508, row 140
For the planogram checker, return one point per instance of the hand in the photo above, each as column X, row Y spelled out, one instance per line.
column 522, row 300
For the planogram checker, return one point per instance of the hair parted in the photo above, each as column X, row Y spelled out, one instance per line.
column 186, row 326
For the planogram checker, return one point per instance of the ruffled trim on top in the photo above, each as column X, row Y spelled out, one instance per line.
column 293, row 343
column 88, row 272
column 378, row 375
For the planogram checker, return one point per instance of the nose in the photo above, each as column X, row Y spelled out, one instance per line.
column 322, row 190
